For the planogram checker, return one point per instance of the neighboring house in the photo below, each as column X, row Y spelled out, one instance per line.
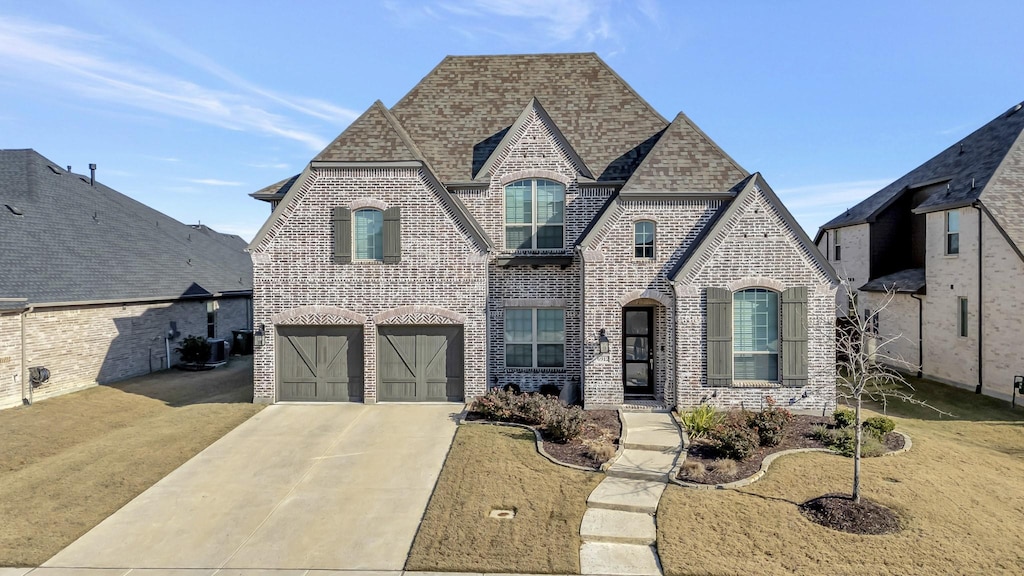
column 531, row 220
column 948, row 236
column 91, row 281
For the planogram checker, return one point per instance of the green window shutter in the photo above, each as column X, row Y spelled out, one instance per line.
column 719, row 337
column 342, row 221
column 794, row 337
column 393, row 235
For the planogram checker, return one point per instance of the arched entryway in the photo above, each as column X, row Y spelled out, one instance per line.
column 645, row 348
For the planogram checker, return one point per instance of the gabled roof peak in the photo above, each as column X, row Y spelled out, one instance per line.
column 376, row 136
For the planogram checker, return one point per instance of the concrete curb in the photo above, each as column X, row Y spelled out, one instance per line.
column 765, row 464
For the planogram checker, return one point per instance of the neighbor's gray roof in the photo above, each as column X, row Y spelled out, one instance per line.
column 910, row 281
column 77, row 243
column 458, row 112
column 967, row 165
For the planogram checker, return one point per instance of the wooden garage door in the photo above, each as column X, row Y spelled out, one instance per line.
column 320, row 363
column 420, row 363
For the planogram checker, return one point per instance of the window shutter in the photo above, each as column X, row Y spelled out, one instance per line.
column 794, row 337
column 393, row 235
column 342, row 221
column 719, row 337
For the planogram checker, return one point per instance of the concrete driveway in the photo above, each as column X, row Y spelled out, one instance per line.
column 337, row 487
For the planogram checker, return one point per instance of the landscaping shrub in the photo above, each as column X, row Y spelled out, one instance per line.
column 601, row 451
column 733, row 438
column 701, row 420
column 194, row 350
column 879, row 426
column 535, row 409
column 560, row 422
column 870, row 446
column 844, row 441
column 550, row 390
column 498, row 404
column 845, row 417
column 770, row 423
column 820, row 432
column 724, row 466
column 694, row 469
column 565, row 424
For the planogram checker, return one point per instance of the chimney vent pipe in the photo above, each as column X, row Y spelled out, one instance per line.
column 92, row 174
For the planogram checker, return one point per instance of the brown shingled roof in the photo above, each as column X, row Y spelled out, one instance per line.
column 467, row 101
column 373, row 137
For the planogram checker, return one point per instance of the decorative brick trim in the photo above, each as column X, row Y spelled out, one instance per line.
column 419, row 315
column 756, row 282
column 317, row 315
column 534, row 173
column 374, row 203
column 645, row 294
column 593, row 256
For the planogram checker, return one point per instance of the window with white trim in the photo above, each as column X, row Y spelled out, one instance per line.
column 643, row 239
column 953, row 232
column 534, row 215
column 755, row 336
column 534, row 338
column 368, row 234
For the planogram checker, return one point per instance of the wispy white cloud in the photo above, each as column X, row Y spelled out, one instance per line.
column 815, row 204
column 76, row 62
column 214, row 182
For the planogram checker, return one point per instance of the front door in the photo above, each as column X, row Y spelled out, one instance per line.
column 638, row 351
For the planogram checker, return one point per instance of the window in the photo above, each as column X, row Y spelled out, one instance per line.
column 953, row 232
column 534, row 338
column 534, row 215
column 870, row 321
column 756, row 335
column 211, row 319
column 838, row 248
column 962, row 317
column 369, row 235
column 643, row 239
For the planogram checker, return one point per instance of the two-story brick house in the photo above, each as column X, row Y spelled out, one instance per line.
column 531, row 220
column 947, row 237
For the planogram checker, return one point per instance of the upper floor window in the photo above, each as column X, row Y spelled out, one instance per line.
column 534, row 337
column 534, row 215
column 755, row 328
column 643, row 239
column 368, row 235
column 953, row 232
column 837, row 247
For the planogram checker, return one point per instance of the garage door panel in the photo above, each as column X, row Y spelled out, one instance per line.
column 320, row 363
column 420, row 363
column 294, row 390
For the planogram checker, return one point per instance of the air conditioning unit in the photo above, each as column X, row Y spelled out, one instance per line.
column 216, row 349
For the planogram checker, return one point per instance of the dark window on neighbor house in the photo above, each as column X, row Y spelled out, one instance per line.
column 211, row 319
column 953, row 232
column 534, row 215
column 534, row 337
column 755, row 333
column 870, row 321
column 962, row 317
column 368, row 235
column 838, row 248
column 643, row 239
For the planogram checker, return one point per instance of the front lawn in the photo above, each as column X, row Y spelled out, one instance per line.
column 959, row 492
column 68, row 462
column 497, row 467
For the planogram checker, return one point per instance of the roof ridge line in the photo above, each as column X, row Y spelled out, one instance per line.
column 630, row 88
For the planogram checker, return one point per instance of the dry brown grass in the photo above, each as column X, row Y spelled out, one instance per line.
column 69, row 462
column 959, row 492
column 492, row 467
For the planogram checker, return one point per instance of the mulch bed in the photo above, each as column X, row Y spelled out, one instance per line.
column 840, row 512
column 599, row 427
column 797, row 435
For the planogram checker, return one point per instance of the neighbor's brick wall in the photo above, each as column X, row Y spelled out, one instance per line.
column 232, row 314
column 898, row 321
column 441, row 267
column 855, row 265
column 1003, row 275
column 10, row 359
column 758, row 249
column 616, row 278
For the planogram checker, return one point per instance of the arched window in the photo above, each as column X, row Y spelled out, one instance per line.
column 643, row 239
column 755, row 334
column 534, row 215
column 368, row 234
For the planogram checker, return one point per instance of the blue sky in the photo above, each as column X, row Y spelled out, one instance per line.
column 189, row 106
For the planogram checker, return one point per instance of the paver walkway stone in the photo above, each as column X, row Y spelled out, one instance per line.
column 619, row 529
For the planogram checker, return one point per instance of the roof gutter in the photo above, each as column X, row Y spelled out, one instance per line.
column 239, row 294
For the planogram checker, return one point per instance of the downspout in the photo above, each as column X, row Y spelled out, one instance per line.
column 920, row 335
column 583, row 322
column 24, row 360
column 487, row 321
column 981, row 305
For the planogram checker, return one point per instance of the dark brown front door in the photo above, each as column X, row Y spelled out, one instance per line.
column 638, row 351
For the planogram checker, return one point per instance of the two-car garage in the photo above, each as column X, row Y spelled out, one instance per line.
column 414, row 363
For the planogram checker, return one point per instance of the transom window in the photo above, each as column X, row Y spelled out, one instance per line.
column 368, row 234
column 755, row 314
column 643, row 239
column 534, row 215
column 953, row 232
column 534, row 338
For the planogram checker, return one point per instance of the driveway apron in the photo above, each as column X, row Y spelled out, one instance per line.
column 338, row 486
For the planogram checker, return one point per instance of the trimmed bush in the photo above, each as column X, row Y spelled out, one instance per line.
column 844, row 441
column 701, row 420
column 770, row 423
column 565, row 424
column 561, row 423
column 733, row 438
column 194, row 350
column 879, row 426
column 844, row 417
column 820, row 432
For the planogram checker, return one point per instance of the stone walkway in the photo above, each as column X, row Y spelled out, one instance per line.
column 619, row 530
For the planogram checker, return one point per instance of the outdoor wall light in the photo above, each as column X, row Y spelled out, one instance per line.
column 602, row 342
column 257, row 339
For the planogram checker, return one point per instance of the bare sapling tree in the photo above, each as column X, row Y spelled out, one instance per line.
column 870, row 370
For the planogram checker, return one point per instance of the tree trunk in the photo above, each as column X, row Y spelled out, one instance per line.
column 856, row 455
